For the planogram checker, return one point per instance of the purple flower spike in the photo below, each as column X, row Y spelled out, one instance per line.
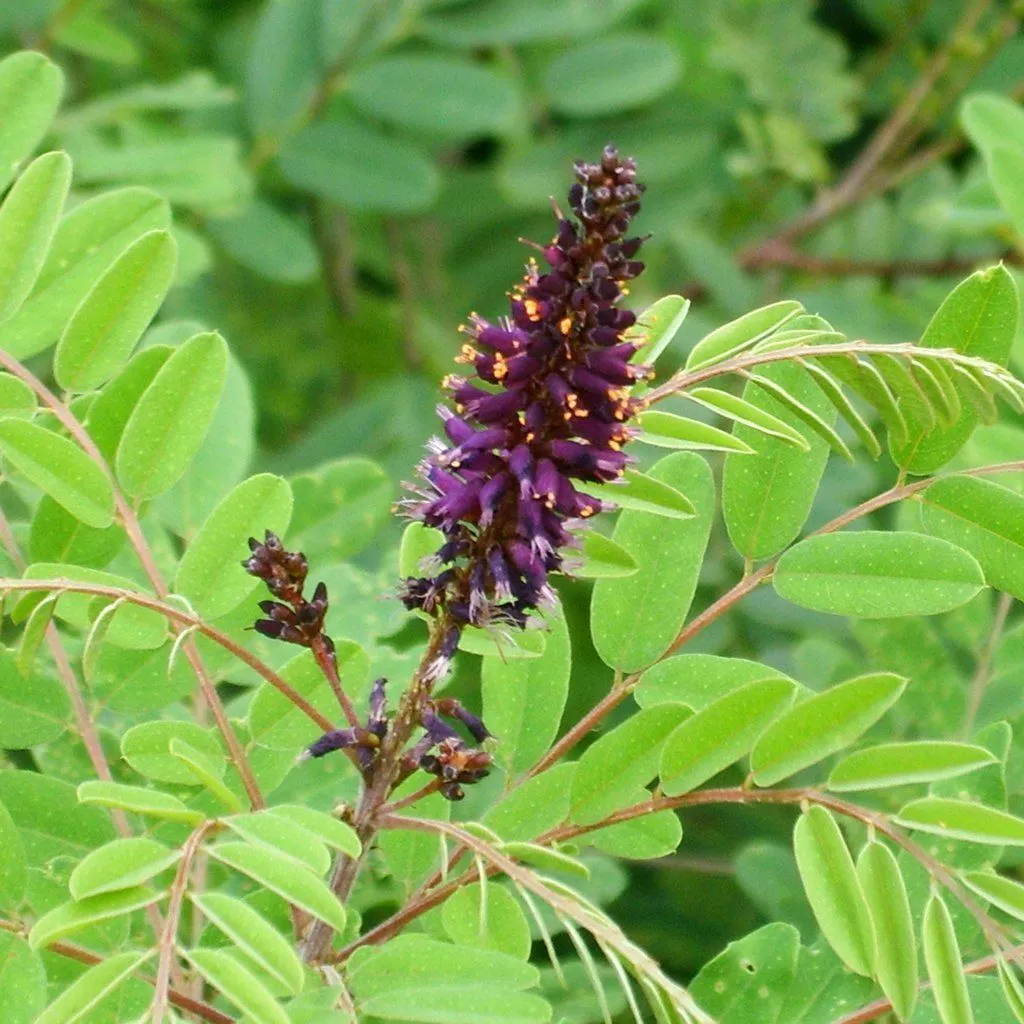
column 548, row 404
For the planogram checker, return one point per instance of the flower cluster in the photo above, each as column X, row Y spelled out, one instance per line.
column 549, row 405
column 292, row 619
column 443, row 752
column 365, row 740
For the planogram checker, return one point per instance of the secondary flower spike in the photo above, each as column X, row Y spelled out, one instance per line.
column 548, row 404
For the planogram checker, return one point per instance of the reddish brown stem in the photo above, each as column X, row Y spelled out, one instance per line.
column 90, row 959
column 325, row 658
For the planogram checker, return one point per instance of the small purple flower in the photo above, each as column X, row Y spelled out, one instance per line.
column 549, row 406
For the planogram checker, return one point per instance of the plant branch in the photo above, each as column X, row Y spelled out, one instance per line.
column 90, row 959
column 168, row 940
column 328, row 663
column 984, row 668
column 130, row 522
column 184, row 619
column 880, row 1007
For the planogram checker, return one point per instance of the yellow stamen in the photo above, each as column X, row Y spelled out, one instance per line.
column 532, row 309
column 565, row 324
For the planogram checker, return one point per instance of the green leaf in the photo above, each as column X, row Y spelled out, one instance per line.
column 436, row 94
column 523, row 698
column 275, row 722
column 732, row 407
column 170, row 421
column 89, row 238
column 147, row 748
column 150, row 803
column 978, row 318
column 642, row 493
column 620, row 72
column 268, row 242
column 282, row 66
column 339, row 506
column 31, row 86
column 281, row 874
column 749, row 979
column 665, row 430
column 985, row 519
column 721, row 734
column 17, row 399
column 336, row 834
column 121, row 864
column 961, row 819
column 104, row 329
column 627, row 757
column 833, row 391
column 13, row 866
column 656, row 328
column 238, row 985
column 61, row 469
column 282, row 836
column 823, row 724
column 417, row 978
column 996, row 128
column 349, row 163
column 767, row 498
column 698, row 680
column 895, row 945
column 635, row 620
column 877, row 575
column 945, row 968
column 647, row 837
column 901, row 764
column 34, row 707
column 28, row 220
column 1002, row 892
column 57, row 536
column 499, row 925
column 210, row 573
column 833, row 889
column 93, row 986
column 254, row 936
column 547, row 858
column 69, row 918
column 602, row 559
column 535, row 806
column 206, row 771
column 22, row 981
column 744, row 332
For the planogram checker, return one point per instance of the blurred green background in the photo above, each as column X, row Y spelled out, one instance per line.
column 350, row 178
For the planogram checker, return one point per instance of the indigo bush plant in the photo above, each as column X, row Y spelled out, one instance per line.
column 244, row 778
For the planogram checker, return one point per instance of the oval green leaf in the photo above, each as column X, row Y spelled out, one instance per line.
column 251, row 933
column 149, row 802
column 766, row 499
column 876, row 575
column 985, row 519
column 720, row 734
column 901, row 764
column 733, row 337
column 1003, row 892
column 282, row 875
column 612, row 768
column 92, row 987
column 147, row 748
column 732, row 407
column 895, row 944
column 666, row 430
column 962, row 819
column 823, row 724
column 833, row 889
column 238, row 985
column 945, row 967
column 101, row 334
column 210, row 573
column 170, row 421
column 602, row 558
column 635, row 620
column 121, row 864
column 336, row 834
column 68, row 918
column 656, row 328
column 28, row 220
column 283, row 836
column 31, row 86
column 61, row 469
column 642, row 493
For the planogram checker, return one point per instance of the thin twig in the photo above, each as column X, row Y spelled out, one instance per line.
column 168, row 941
column 90, row 959
column 328, row 663
column 984, row 668
column 184, row 619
